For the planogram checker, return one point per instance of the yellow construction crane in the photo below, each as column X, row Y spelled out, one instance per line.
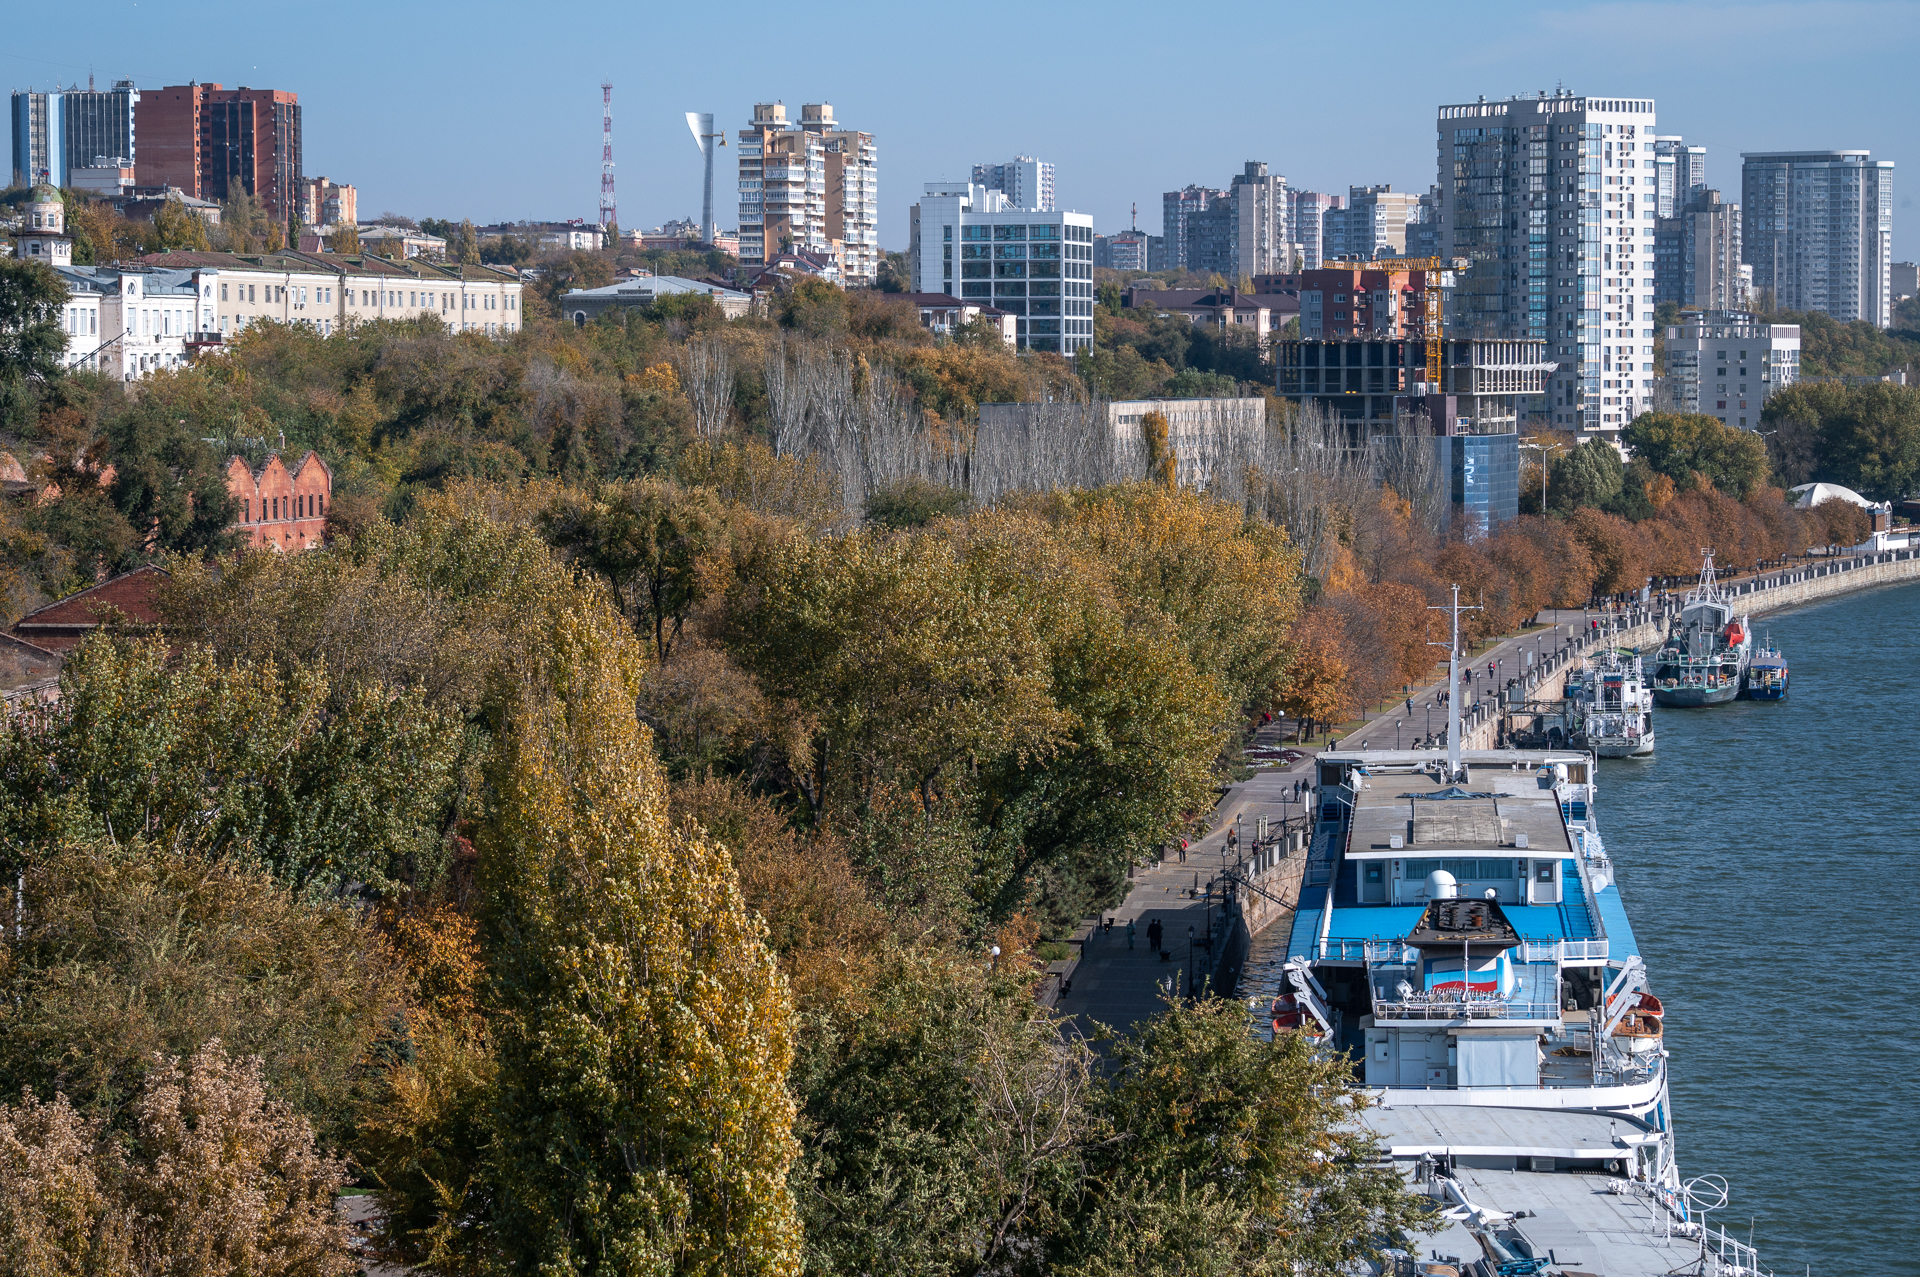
column 1432, row 316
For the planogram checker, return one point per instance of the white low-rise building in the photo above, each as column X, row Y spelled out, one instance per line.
column 1728, row 363
column 1037, row 266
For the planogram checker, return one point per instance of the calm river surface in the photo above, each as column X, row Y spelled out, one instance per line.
column 1764, row 855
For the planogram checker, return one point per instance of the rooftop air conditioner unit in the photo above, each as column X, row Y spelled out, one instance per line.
column 1520, row 841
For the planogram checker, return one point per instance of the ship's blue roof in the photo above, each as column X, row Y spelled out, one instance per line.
column 1565, row 921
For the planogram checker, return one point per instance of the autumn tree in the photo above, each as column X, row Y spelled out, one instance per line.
column 218, row 1177
column 177, row 228
column 641, row 1119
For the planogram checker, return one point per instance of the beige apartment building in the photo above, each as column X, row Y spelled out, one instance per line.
column 329, row 290
column 809, row 186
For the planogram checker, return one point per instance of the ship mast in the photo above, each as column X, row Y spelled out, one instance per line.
column 1453, row 684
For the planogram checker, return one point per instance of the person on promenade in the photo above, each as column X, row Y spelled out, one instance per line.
column 1129, row 933
column 1154, row 932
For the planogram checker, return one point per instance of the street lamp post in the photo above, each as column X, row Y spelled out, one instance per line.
column 1189, row 961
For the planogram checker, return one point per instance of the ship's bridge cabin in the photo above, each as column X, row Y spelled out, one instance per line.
column 1459, row 931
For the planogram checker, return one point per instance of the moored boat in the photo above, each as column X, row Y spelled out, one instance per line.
column 1767, row 674
column 1704, row 659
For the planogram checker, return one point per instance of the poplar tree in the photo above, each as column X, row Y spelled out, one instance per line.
column 642, row 1122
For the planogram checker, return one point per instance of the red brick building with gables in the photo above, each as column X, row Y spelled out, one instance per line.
column 280, row 508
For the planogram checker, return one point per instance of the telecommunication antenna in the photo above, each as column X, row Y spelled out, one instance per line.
column 1453, row 684
column 609, row 212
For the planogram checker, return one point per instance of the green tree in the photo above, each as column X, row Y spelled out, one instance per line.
column 642, row 1121
column 1231, row 1155
column 134, row 950
column 1865, row 437
column 344, row 238
column 239, row 763
column 167, row 480
column 1589, row 476
column 466, row 246
column 646, row 539
column 913, row 503
column 31, row 343
column 1690, row 447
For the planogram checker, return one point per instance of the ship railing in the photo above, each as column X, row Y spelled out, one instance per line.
column 1559, row 951
column 1476, row 1008
column 1390, row 953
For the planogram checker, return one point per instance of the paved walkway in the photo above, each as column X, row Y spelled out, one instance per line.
column 1118, row 986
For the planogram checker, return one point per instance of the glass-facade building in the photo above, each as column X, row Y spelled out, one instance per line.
column 968, row 242
column 1484, row 476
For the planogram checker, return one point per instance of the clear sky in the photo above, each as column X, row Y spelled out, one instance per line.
column 492, row 111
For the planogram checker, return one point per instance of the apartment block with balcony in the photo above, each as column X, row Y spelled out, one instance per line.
column 1697, row 258
column 969, row 242
column 1553, row 201
column 851, row 214
column 210, row 142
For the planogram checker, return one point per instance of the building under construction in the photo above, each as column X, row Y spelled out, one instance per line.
column 1373, row 382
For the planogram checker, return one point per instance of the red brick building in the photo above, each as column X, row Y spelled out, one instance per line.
column 282, row 509
column 205, row 140
column 59, row 626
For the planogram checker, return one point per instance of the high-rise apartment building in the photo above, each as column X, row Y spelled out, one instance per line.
column 211, row 142
column 1025, row 181
column 1127, row 250
column 1307, row 213
column 64, row 129
column 39, row 141
column 852, row 224
column 1175, row 208
column 1817, row 228
column 1697, row 255
column 1552, row 201
column 1679, row 170
column 1034, row 265
column 1242, row 230
column 1373, row 224
column 809, row 185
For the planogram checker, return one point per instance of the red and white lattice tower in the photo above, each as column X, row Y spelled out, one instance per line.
column 609, row 214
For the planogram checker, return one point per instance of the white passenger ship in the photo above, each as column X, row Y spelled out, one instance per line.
column 1460, row 935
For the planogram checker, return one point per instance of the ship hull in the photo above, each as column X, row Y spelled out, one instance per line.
column 1693, row 697
column 1639, row 748
column 1767, row 693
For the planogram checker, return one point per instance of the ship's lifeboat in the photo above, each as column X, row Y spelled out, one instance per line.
column 1735, row 635
column 1289, row 1013
column 1639, row 1033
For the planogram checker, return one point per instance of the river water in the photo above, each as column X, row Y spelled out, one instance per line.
column 1765, row 855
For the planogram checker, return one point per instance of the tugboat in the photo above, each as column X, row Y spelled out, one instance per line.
column 1767, row 674
column 1704, row 660
column 1615, row 704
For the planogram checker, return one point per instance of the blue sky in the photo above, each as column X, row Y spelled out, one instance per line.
column 492, row 110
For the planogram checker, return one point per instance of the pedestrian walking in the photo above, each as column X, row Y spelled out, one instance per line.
column 1154, row 932
column 1129, row 933
column 1183, row 851
column 1409, row 705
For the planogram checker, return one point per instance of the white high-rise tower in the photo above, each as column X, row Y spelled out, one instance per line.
column 1552, row 200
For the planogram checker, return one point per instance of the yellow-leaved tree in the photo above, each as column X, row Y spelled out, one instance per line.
column 642, row 1123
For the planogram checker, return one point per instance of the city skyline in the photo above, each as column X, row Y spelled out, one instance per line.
column 514, row 123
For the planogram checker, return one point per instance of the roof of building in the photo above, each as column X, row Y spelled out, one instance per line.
column 293, row 261
column 947, row 301
column 1494, row 813
column 1809, row 495
column 652, row 286
column 130, row 594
